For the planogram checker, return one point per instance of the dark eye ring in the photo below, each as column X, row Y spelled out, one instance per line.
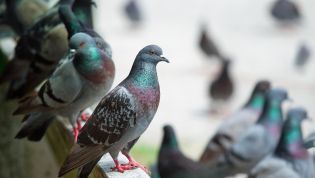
column 152, row 52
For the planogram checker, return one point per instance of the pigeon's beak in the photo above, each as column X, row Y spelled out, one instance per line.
column 164, row 59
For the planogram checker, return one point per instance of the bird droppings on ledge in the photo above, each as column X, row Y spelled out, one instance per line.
column 106, row 163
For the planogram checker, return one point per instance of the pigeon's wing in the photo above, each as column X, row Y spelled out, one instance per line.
column 252, row 147
column 114, row 115
column 229, row 132
column 61, row 89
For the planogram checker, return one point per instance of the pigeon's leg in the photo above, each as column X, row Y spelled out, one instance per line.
column 76, row 130
column 118, row 167
column 133, row 163
column 84, row 116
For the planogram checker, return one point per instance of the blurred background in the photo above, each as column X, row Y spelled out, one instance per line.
column 243, row 31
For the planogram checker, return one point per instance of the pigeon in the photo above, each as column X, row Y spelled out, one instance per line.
column 221, row 89
column 120, row 117
column 260, row 139
column 83, row 11
column 76, row 84
column 285, row 11
column 291, row 148
column 35, row 58
column 133, row 11
column 303, row 55
column 236, row 124
column 22, row 14
column 290, row 159
column 207, row 45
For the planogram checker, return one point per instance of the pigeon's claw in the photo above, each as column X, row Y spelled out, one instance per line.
column 76, row 130
column 85, row 116
column 134, row 164
column 120, row 168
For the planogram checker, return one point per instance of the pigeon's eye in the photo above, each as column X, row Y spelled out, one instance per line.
column 152, row 52
column 81, row 44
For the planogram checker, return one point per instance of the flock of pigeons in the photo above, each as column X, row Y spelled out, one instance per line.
column 58, row 51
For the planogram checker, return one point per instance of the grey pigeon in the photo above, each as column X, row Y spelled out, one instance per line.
column 291, row 148
column 260, row 139
column 303, row 55
column 290, row 159
column 36, row 53
column 76, row 84
column 121, row 116
column 285, row 11
column 235, row 125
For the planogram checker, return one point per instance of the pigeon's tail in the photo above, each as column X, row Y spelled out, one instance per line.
column 34, row 126
column 85, row 171
column 82, row 156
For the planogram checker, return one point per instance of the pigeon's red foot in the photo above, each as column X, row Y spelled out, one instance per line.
column 84, row 116
column 120, row 168
column 134, row 164
column 76, row 131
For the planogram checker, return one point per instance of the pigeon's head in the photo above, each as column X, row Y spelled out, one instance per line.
column 278, row 94
column 262, row 86
column 81, row 40
column 151, row 54
column 169, row 139
column 298, row 113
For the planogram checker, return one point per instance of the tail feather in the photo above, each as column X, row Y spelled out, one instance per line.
column 85, row 171
column 80, row 156
column 34, row 126
column 28, row 104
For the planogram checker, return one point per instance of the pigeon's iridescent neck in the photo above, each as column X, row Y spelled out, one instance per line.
column 257, row 102
column 143, row 74
column 271, row 117
column 291, row 142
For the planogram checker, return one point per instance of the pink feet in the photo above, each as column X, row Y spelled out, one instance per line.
column 120, row 168
column 134, row 164
column 85, row 116
column 76, row 131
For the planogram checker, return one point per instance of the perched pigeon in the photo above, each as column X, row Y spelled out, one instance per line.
column 303, row 55
column 76, row 84
column 290, row 159
column 236, row 124
column 221, row 89
column 22, row 14
column 121, row 116
column 285, row 11
column 260, row 139
column 133, row 12
column 207, row 45
column 36, row 54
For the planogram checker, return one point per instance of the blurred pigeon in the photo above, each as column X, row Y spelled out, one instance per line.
column 221, row 89
column 83, row 11
column 75, row 85
column 133, row 11
column 303, row 55
column 291, row 148
column 36, row 54
column 290, row 159
column 260, row 139
column 235, row 125
column 285, row 11
column 22, row 14
column 121, row 116
column 207, row 45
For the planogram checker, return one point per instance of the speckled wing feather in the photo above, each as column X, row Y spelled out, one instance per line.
column 115, row 114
